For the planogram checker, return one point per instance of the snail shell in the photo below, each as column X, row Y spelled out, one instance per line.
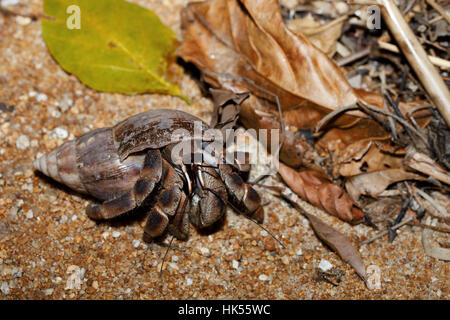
column 106, row 162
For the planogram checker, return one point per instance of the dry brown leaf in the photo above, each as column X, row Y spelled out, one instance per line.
column 249, row 39
column 323, row 36
column 313, row 187
column 243, row 45
column 423, row 163
column 374, row 183
column 365, row 156
column 339, row 243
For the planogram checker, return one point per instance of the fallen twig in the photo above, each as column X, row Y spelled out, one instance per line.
column 433, row 202
column 438, row 62
column 417, row 58
column 439, row 9
column 399, row 119
column 353, row 57
column 427, row 226
column 381, row 234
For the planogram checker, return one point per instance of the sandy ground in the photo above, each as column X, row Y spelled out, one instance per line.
column 49, row 249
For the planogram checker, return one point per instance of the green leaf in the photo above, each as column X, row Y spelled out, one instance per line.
column 118, row 47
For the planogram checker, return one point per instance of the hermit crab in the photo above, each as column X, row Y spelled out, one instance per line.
column 138, row 163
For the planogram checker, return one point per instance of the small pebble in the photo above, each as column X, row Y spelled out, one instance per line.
column 48, row 292
column 41, row 97
column 95, row 284
column 299, row 252
column 235, row 264
column 4, row 230
column 116, row 234
column 13, row 212
column 63, row 219
column 75, row 278
column 61, row 133
column 136, row 243
column 325, row 265
column 189, row 281
column 22, row 142
column 23, row 21
column 285, row 260
column 65, row 103
column 82, row 273
column 204, row 251
column 269, row 244
column 173, row 266
column 4, row 288
column 29, row 214
column 263, row 277
column 53, row 112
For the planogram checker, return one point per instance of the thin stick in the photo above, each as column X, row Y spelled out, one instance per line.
column 417, row 58
column 385, row 106
column 436, row 19
column 433, row 202
column 401, row 120
column 427, row 226
column 439, row 9
column 438, row 62
column 353, row 57
column 411, row 118
column 381, row 234
column 331, row 115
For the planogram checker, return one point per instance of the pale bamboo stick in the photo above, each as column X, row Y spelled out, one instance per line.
column 417, row 58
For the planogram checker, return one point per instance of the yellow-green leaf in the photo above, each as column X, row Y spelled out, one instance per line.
column 112, row 45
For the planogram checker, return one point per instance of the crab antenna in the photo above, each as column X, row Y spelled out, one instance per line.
column 165, row 255
column 258, row 224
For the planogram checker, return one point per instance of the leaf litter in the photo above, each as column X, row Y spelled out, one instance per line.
column 376, row 144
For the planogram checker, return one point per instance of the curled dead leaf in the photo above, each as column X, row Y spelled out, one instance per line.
column 313, row 187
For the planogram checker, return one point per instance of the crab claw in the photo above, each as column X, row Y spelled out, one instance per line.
column 209, row 199
column 242, row 196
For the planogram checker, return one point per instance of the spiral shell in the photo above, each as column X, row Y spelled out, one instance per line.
column 91, row 165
